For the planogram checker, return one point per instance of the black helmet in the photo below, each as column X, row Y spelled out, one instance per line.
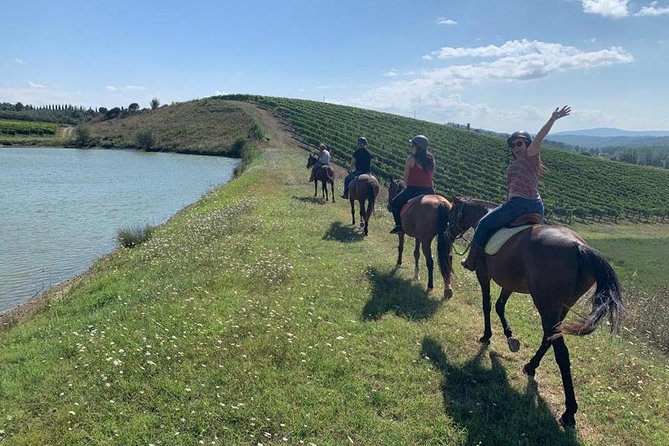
column 520, row 134
column 362, row 140
column 420, row 141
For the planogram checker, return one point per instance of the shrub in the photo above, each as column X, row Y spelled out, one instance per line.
column 256, row 132
column 131, row 237
column 155, row 103
column 82, row 135
column 145, row 139
column 237, row 149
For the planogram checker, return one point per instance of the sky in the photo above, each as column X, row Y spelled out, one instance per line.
column 499, row 65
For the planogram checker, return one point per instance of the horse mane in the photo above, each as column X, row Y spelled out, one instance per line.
column 476, row 202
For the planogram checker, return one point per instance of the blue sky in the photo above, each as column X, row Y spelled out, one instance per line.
column 497, row 64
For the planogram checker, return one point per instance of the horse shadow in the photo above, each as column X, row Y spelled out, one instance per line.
column 309, row 200
column 391, row 293
column 343, row 233
column 484, row 404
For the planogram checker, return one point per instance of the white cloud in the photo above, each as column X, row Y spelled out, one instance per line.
column 445, row 21
column 18, row 60
column 514, row 61
column 606, row 8
column 34, row 85
column 653, row 10
column 221, row 93
column 391, row 73
column 427, row 57
column 124, row 89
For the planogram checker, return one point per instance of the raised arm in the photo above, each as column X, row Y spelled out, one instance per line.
column 535, row 146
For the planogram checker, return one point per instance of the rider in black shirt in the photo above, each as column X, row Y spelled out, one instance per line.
column 361, row 162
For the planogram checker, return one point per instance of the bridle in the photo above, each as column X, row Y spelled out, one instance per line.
column 455, row 231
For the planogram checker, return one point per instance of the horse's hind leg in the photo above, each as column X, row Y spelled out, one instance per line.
column 315, row 187
column 324, row 190
column 562, row 358
column 332, row 190
column 400, row 249
column 416, row 256
column 500, row 306
column 352, row 201
column 427, row 252
column 362, row 214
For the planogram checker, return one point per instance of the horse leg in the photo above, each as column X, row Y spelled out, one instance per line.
column 416, row 256
column 500, row 306
column 324, row 190
column 332, row 190
column 352, row 210
column 531, row 367
column 484, row 282
column 400, row 249
column 562, row 358
column 362, row 213
column 427, row 252
column 315, row 187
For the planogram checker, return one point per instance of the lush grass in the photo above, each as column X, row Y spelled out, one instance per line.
column 260, row 316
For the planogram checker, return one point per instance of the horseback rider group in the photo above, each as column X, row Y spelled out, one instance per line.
column 523, row 175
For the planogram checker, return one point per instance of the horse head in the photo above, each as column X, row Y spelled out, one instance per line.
column 395, row 186
column 311, row 160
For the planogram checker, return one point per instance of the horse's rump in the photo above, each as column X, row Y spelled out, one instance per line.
column 420, row 215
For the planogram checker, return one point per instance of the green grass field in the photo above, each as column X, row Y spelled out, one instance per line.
column 259, row 316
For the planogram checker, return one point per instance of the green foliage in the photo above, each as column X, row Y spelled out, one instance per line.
column 237, row 149
column 12, row 128
column 131, row 237
column 256, row 132
column 155, row 102
column 474, row 164
column 145, row 139
column 133, row 107
column 82, row 135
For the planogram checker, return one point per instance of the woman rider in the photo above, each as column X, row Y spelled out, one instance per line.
column 522, row 178
column 418, row 176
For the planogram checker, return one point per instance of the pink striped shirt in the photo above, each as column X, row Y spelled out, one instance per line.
column 522, row 177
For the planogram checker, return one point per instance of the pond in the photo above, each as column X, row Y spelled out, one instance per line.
column 60, row 209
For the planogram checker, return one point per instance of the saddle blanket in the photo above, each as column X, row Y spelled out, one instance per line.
column 500, row 237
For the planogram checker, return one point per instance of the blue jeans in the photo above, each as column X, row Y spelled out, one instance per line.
column 503, row 215
column 350, row 177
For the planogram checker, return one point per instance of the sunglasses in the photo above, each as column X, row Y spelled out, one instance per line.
column 518, row 143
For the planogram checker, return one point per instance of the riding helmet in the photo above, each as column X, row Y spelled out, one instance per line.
column 420, row 141
column 520, row 134
column 362, row 140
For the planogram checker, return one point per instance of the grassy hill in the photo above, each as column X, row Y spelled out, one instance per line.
column 473, row 164
column 259, row 315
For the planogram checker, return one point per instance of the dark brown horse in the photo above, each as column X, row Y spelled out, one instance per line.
column 556, row 267
column 423, row 218
column 325, row 174
column 363, row 189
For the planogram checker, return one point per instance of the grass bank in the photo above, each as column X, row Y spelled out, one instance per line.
column 260, row 316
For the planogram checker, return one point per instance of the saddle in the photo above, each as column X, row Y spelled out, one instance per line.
column 500, row 237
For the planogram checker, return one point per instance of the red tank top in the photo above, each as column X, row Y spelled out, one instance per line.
column 420, row 178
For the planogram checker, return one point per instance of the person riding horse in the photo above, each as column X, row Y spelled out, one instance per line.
column 323, row 160
column 523, row 176
column 361, row 163
column 418, row 176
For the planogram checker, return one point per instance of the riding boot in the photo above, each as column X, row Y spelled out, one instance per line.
column 472, row 258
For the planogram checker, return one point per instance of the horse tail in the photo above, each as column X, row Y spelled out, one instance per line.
column 607, row 299
column 443, row 243
column 371, row 197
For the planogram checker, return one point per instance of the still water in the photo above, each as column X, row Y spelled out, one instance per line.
column 60, row 209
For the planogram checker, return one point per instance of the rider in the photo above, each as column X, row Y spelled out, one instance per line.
column 323, row 160
column 361, row 163
column 522, row 178
column 418, row 176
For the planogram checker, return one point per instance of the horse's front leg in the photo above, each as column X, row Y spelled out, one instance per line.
column 416, row 258
column 484, row 281
column 324, row 190
column 332, row 190
column 427, row 252
column 500, row 307
column 352, row 210
column 400, row 249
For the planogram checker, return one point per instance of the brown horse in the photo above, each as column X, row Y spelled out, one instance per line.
column 556, row 267
column 364, row 189
column 423, row 218
column 325, row 175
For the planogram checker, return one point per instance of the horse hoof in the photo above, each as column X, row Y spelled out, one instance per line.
column 362, row 225
column 514, row 344
column 567, row 421
column 484, row 339
column 527, row 371
column 429, row 289
column 448, row 293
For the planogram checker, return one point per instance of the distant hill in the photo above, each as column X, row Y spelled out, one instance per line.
column 612, row 137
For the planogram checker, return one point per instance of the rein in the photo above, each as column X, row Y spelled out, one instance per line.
column 461, row 235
